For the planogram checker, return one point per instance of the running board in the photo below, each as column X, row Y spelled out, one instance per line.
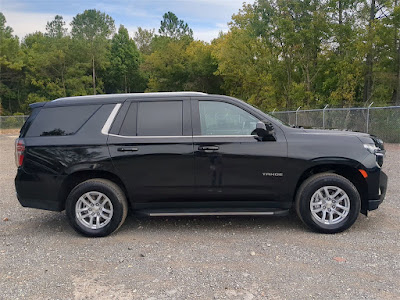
column 212, row 212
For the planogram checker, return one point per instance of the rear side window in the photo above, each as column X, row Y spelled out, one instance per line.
column 59, row 121
column 159, row 118
column 155, row 118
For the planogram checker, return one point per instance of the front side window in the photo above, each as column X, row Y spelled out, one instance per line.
column 219, row 118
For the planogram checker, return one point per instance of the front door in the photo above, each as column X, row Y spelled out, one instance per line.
column 231, row 164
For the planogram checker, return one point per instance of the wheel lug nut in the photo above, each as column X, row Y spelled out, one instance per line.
column 97, row 204
column 329, row 209
column 333, row 206
column 323, row 207
column 91, row 204
column 90, row 209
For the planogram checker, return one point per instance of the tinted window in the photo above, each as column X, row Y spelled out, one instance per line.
column 61, row 120
column 219, row 118
column 29, row 121
column 128, row 127
column 163, row 118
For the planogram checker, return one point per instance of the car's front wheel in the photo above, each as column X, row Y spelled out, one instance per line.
column 328, row 203
column 96, row 207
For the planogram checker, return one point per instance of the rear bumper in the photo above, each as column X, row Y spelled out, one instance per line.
column 374, row 203
column 38, row 191
column 40, row 204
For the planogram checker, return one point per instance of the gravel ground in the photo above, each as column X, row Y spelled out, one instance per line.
column 41, row 257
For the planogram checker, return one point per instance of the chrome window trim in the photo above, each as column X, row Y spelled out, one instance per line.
column 223, row 136
column 179, row 136
column 110, row 119
column 107, row 125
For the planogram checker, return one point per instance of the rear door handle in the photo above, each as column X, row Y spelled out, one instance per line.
column 127, row 149
column 208, row 148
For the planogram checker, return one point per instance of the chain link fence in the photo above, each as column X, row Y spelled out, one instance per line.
column 383, row 122
column 11, row 124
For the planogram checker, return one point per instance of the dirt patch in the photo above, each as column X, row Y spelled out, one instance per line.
column 9, row 131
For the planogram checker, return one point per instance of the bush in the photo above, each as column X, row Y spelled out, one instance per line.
column 11, row 122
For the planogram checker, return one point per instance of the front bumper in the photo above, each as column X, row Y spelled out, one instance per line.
column 373, row 204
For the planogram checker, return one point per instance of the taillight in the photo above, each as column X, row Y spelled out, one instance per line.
column 19, row 152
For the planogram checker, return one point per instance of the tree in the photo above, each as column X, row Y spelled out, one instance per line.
column 11, row 69
column 369, row 57
column 202, row 67
column 56, row 28
column 53, row 68
column 276, row 54
column 288, row 35
column 93, row 28
column 181, row 66
column 143, row 39
column 167, row 68
column 341, row 78
column 124, row 72
column 396, row 28
column 173, row 27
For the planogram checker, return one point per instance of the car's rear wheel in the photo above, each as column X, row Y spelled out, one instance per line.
column 96, row 207
column 328, row 203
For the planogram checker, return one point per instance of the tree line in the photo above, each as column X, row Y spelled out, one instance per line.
column 277, row 54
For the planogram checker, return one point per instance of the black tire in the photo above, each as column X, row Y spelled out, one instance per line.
column 114, row 194
column 312, row 185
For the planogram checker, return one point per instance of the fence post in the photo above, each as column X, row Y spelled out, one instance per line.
column 323, row 116
column 296, row 114
column 369, row 106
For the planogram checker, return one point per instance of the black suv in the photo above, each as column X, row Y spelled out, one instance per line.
column 188, row 153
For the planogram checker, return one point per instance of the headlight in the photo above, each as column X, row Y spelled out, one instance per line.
column 374, row 149
column 371, row 148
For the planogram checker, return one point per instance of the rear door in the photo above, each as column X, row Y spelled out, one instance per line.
column 153, row 150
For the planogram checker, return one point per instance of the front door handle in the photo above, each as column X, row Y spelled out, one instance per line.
column 208, row 148
column 127, row 149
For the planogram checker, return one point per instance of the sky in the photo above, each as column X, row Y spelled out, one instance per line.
column 206, row 17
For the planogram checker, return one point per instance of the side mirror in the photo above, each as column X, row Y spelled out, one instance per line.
column 264, row 132
column 261, row 125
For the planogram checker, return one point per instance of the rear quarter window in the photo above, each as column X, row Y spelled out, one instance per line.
column 29, row 122
column 60, row 121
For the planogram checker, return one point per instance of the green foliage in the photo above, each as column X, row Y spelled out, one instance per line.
column 143, row 39
column 91, row 30
column 12, row 122
column 91, row 25
column 182, row 66
column 56, row 28
column 285, row 54
column 173, row 27
column 124, row 74
column 11, row 69
column 276, row 55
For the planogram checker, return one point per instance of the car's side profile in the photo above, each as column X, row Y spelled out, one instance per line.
column 190, row 154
